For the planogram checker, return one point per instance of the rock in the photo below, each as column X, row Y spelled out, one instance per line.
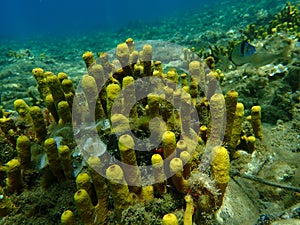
column 287, row 222
column 237, row 207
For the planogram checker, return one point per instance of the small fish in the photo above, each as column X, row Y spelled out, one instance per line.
column 244, row 53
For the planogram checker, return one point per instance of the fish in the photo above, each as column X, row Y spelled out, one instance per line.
column 244, row 53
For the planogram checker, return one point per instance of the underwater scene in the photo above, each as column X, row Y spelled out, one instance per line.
column 133, row 112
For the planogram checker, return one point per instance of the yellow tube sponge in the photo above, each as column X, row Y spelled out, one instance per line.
column 24, row 154
column 180, row 147
column 83, row 181
column 158, row 173
column 169, row 143
column 14, row 179
column 236, row 128
column 196, row 71
column 146, row 59
column 189, row 210
column 217, row 110
column 38, row 74
column 112, row 92
column 53, row 159
column 186, row 160
column 64, row 113
column 107, row 66
column 129, row 97
column 255, row 121
column 68, row 218
column 120, row 124
column 203, row 134
column 154, row 104
column 120, row 193
column 38, row 123
column 67, row 86
column 123, row 54
column 55, row 89
column 179, row 182
column 51, row 107
column 132, row 174
column 88, row 58
column 130, row 44
column 169, row 149
column 230, row 102
column 147, row 194
column 172, row 75
column 62, row 76
column 64, row 154
column 95, row 165
column 23, row 110
column 170, row 219
column 251, row 144
column 97, row 72
column 90, row 90
column 84, row 206
column 220, row 166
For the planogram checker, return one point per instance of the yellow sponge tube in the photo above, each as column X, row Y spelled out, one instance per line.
column 53, row 159
column 23, row 149
column 176, row 167
column 120, row 193
column 84, row 206
column 170, row 219
column 14, row 179
column 67, row 218
column 255, row 121
column 38, row 123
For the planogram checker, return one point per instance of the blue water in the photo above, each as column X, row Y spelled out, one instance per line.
column 31, row 17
